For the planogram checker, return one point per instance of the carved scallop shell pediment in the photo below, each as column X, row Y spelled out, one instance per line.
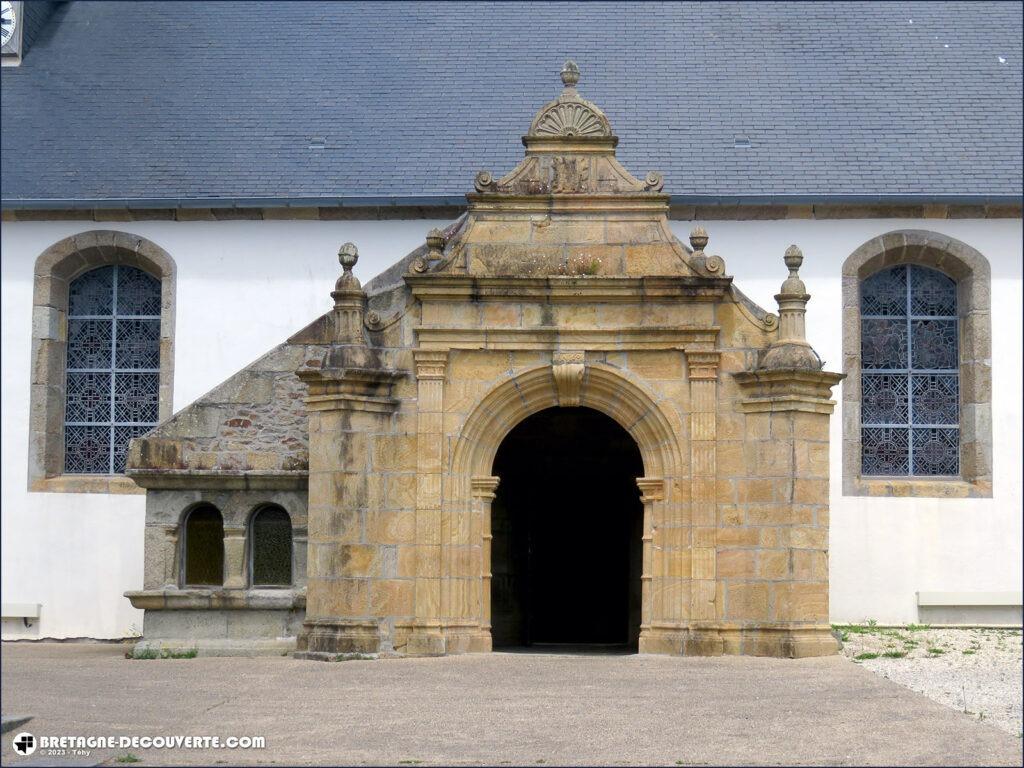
column 571, row 119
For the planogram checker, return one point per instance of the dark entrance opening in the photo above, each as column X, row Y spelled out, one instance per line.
column 567, row 522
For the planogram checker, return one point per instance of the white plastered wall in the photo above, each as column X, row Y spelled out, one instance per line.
column 245, row 286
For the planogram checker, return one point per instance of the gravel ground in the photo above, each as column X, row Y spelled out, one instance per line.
column 977, row 671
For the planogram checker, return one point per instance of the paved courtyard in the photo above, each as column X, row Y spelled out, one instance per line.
column 504, row 708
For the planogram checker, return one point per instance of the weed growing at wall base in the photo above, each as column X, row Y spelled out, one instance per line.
column 164, row 653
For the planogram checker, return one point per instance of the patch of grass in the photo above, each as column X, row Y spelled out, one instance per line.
column 165, row 653
column 355, row 657
column 852, row 629
column 894, row 654
column 128, row 758
column 865, row 656
column 968, row 652
column 909, row 644
column 936, row 651
column 918, row 627
column 872, row 623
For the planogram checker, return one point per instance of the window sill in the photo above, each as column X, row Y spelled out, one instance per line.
column 218, row 599
column 112, row 484
column 917, row 487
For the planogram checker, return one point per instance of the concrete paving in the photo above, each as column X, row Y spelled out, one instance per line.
column 502, row 708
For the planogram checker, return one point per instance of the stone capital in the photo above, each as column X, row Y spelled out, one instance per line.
column 651, row 488
column 787, row 390
column 703, row 364
column 484, row 486
column 430, row 363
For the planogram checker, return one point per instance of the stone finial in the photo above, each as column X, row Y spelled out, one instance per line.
column 570, row 116
column 348, row 255
column 435, row 251
column 698, row 239
column 349, row 299
column 791, row 350
column 435, row 243
column 793, row 285
column 570, row 74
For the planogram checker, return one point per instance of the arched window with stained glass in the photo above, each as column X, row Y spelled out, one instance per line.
column 270, row 547
column 910, row 380
column 113, row 367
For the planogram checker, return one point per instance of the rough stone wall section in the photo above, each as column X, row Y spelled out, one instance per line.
column 254, row 421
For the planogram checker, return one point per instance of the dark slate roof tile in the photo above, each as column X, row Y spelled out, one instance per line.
column 198, row 100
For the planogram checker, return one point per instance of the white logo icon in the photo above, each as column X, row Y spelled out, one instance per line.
column 24, row 743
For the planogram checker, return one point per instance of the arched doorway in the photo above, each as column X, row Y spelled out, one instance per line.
column 566, row 554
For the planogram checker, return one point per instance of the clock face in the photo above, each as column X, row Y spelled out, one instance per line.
column 8, row 22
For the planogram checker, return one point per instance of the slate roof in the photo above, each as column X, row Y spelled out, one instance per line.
column 171, row 103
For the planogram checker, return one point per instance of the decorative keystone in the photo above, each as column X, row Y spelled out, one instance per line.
column 570, row 74
column 568, row 369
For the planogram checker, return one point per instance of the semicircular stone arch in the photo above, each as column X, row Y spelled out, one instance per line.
column 970, row 269
column 55, row 269
column 605, row 390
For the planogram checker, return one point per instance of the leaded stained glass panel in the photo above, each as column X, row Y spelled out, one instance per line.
column 886, row 450
column 885, row 293
column 885, row 398
column 883, row 343
column 113, row 367
column 910, row 384
column 936, row 451
column 88, row 397
column 137, row 293
column 271, row 548
column 90, row 343
column 90, row 294
column 934, row 344
column 935, row 398
column 87, row 450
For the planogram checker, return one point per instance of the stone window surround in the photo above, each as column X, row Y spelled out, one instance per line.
column 55, row 268
column 971, row 271
column 237, row 550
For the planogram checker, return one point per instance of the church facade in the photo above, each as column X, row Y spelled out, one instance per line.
column 749, row 373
